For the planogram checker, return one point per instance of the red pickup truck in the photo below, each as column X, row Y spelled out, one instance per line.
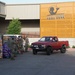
column 48, row 44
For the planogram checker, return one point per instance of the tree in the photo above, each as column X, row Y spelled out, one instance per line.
column 14, row 27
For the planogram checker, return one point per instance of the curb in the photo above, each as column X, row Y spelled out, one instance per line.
column 71, row 49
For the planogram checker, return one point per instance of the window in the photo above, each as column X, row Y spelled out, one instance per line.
column 42, row 39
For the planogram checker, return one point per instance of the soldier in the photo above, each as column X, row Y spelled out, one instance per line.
column 12, row 42
column 26, row 43
column 20, row 44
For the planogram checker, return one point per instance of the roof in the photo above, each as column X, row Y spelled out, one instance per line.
column 49, row 36
column 22, row 4
column 2, row 2
column 39, row 3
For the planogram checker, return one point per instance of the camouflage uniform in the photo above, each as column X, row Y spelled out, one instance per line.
column 26, row 43
column 20, row 44
column 12, row 48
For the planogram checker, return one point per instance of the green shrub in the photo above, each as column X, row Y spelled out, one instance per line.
column 14, row 27
column 73, row 46
column 68, row 47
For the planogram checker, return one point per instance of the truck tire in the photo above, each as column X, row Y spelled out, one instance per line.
column 34, row 51
column 63, row 49
column 48, row 50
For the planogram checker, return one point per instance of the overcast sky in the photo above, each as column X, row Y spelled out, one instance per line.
column 33, row 1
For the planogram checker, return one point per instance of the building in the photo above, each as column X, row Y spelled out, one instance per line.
column 54, row 19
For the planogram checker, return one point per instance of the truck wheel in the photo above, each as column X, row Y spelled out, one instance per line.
column 63, row 49
column 34, row 52
column 48, row 50
column 51, row 51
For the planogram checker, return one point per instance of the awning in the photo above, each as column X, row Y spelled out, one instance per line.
column 3, row 16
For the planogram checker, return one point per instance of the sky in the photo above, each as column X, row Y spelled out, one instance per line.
column 33, row 1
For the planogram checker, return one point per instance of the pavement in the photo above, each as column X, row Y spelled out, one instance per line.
column 40, row 64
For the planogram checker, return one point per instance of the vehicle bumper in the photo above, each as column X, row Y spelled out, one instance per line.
column 39, row 49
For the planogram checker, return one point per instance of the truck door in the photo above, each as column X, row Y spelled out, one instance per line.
column 55, row 43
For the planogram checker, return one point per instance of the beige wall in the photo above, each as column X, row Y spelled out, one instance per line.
column 21, row 11
column 30, row 26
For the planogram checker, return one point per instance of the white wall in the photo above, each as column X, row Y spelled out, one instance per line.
column 31, row 40
column 36, row 29
column 71, row 40
column 23, row 11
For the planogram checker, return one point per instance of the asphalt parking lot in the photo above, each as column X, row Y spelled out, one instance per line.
column 40, row 64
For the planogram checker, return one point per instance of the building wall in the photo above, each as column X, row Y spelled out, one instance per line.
column 3, row 25
column 28, row 27
column 2, row 9
column 28, row 14
column 23, row 11
column 59, row 22
column 31, row 27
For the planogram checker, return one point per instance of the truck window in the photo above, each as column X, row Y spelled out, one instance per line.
column 42, row 39
column 47, row 39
